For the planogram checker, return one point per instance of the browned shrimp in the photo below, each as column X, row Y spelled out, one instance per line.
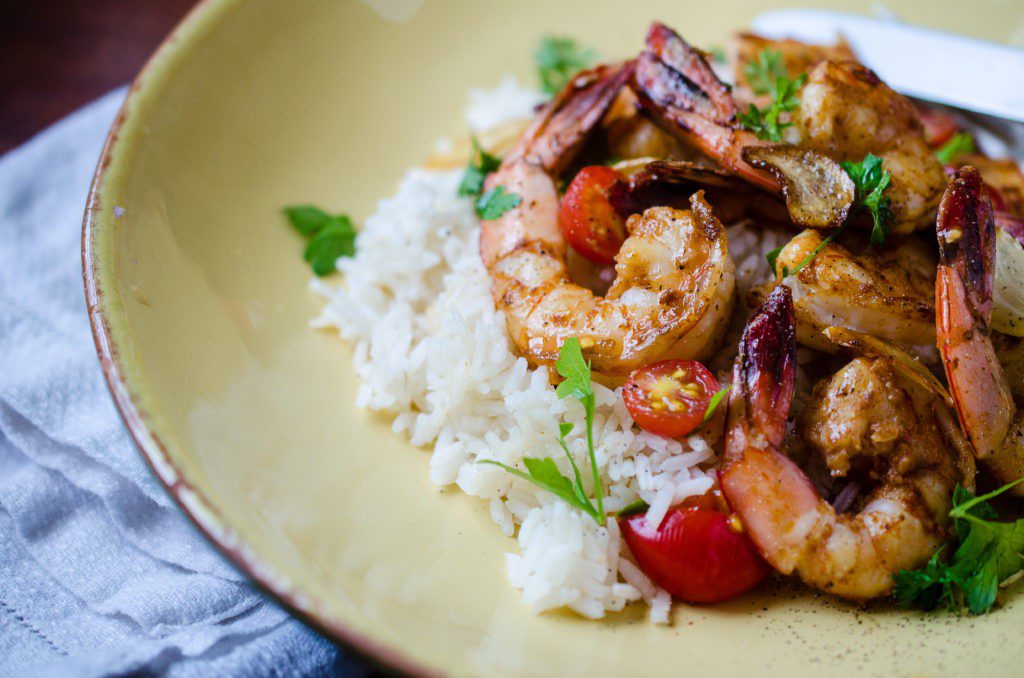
column 870, row 426
column 963, row 296
column 796, row 58
column 677, row 86
column 887, row 292
column 845, row 112
column 674, row 282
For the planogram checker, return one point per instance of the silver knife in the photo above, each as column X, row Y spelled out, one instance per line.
column 970, row 74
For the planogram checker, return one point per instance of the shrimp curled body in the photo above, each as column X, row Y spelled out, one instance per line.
column 866, row 422
column 674, row 286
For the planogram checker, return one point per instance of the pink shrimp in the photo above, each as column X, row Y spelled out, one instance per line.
column 963, row 296
column 674, row 282
column 864, row 416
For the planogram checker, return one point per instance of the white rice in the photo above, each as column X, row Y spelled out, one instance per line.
column 432, row 351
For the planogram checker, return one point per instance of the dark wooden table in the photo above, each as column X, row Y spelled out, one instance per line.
column 56, row 55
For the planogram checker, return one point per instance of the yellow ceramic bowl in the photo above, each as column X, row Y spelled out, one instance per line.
column 199, row 304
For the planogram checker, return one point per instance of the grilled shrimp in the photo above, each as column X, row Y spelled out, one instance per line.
column 796, row 58
column 674, row 281
column 844, row 112
column 886, row 291
column 963, row 295
column 868, row 424
column 676, row 85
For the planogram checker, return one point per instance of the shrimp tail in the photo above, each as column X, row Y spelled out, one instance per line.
column 967, row 238
column 963, row 296
column 565, row 123
column 760, row 483
column 763, row 375
column 674, row 74
column 675, row 84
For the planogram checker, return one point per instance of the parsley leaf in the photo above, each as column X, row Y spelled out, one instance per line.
column 576, row 371
column 773, row 257
column 638, row 506
column 330, row 236
column 714, row 402
column 481, row 163
column 960, row 143
column 763, row 71
column 496, row 202
column 767, row 75
column 717, row 53
column 871, row 180
column 989, row 553
column 307, row 219
column 933, row 585
column 558, row 59
column 544, row 472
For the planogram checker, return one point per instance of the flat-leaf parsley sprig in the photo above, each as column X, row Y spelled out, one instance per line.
column 544, row 472
column 558, row 59
column 871, row 180
column 481, row 164
column 329, row 236
column 767, row 75
column 496, row 202
column 493, row 203
column 959, row 144
column 989, row 553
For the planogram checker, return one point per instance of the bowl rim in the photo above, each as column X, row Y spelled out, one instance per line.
column 190, row 500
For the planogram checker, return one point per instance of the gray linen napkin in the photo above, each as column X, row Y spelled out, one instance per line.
column 99, row 572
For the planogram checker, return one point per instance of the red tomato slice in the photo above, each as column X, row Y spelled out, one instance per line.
column 669, row 398
column 939, row 126
column 589, row 221
column 695, row 554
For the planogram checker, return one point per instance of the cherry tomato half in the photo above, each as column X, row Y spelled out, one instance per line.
column 669, row 398
column 695, row 554
column 589, row 221
column 939, row 126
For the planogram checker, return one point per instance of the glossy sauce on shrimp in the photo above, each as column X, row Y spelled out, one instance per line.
column 674, row 282
column 869, row 425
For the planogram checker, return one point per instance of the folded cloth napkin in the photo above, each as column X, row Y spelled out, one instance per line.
column 99, row 572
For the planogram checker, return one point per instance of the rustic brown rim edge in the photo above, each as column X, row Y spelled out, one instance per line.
column 200, row 511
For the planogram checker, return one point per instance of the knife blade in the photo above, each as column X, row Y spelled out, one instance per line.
column 942, row 67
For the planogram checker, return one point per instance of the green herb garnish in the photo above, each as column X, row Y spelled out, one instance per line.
column 481, row 163
column 958, row 145
column 496, row 202
column 764, row 71
column 717, row 53
column 773, row 257
column 767, row 75
column 558, row 59
column 989, row 553
column 714, row 402
column 330, row 236
column 544, row 472
column 638, row 506
column 576, row 372
column 871, row 181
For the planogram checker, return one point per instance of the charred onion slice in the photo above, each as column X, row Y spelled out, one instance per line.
column 1008, row 284
column 818, row 192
